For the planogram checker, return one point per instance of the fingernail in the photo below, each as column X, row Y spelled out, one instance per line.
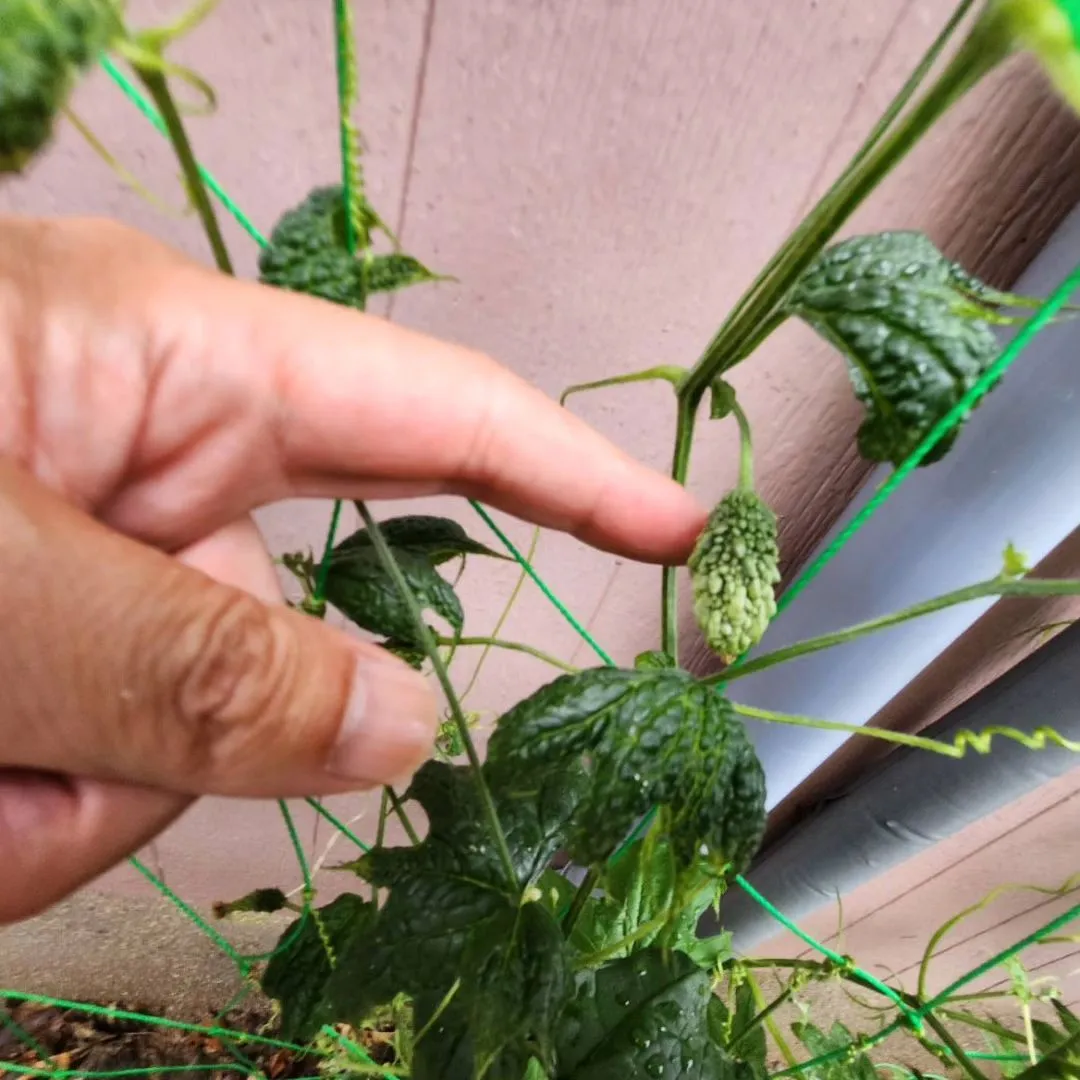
column 33, row 801
column 390, row 722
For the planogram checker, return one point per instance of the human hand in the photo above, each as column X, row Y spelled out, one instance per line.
column 147, row 405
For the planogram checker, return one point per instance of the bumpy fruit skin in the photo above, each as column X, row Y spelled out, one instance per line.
column 44, row 45
column 735, row 569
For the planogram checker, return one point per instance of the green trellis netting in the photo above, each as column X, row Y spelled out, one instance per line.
column 909, row 1013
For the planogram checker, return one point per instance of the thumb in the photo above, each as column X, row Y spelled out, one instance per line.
column 124, row 664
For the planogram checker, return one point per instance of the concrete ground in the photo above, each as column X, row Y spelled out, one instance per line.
column 144, row 954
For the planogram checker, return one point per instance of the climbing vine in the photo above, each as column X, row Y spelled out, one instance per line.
column 489, row 960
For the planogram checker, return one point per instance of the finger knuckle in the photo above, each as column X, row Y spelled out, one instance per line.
column 235, row 669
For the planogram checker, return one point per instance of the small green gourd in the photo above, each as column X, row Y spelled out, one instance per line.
column 735, row 569
column 735, row 565
column 44, row 46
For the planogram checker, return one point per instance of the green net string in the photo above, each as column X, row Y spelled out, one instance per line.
column 908, row 1016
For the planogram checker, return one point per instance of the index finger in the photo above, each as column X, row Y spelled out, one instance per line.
column 361, row 408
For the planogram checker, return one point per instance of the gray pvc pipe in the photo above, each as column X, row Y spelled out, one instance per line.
column 1014, row 475
column 915, row 798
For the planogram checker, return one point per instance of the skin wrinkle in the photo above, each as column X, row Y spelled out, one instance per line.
column 168, row 402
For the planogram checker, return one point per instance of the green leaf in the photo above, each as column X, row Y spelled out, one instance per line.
column 710, row 952
column 298, row 975
column 653, row 660
column 361, row 589
column 912, row 328
column 449, row 888
column 751, row 1046
column 515, row 981
column 556, row 892
column 308, row 253
column 438, row 539
column 1014, row 563
column 388, row 273
column 854, row 1065
column 645, row 739
column 638, row 891
column 445, row 1051
column 264, row 901
column 413, row 655
column 645, row 1015
column 1062, row 1063
column 646, row 900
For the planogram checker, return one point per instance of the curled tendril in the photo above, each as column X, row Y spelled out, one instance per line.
column 961, row 743
column 144, row 57
column 980, row 741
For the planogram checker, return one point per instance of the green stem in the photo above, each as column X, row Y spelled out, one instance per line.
column 1032, row 587
column 380, row 831
column 351, row 178
column 680, row 466
column 158, row 89
column 989, row 1026
column 643, row 931
column 760, row 1018
column 317, row 600
column 386, row 557
column 581, row 898
column 513, row 646
column 914, row 80
column 770, row 1023
column 957, row 1051
column 440, row 1009
column 872, row 163
column 511, row 600
column 403, row 817
column 667, row 372
column 746, row 449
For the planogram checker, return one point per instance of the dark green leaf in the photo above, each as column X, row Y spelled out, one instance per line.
column 445, row 1050
column 264, row 901
column 912, row 329
column 361, row 589
column 645, row 739
column 413, row 655
column 1070, row 1022
column 645, row 1015
column 721, row 399
column 654, row 660
column 710, row 952
column 854, row 1065
column 751, row 1046
column 556, row 892
column 387, row 273
column 438, row 539
column 1062, row 1063
column 308, row 253
column 449, row 887
column 515, row 982
column 298, row 975
column 638, row 892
